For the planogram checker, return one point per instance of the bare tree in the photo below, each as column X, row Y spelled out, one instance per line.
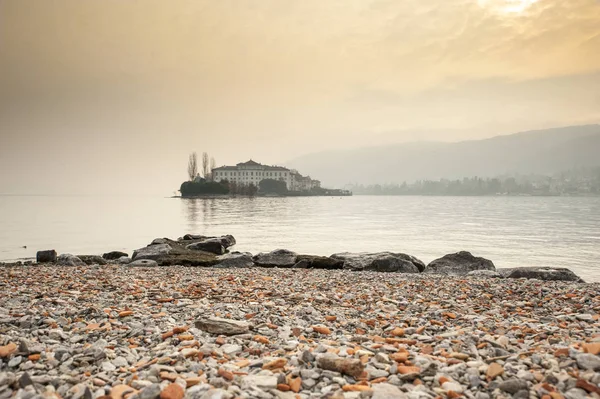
column 193, row 166
column 213, row 164
column 205, row 170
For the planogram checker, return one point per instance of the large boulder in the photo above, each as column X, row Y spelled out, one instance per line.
column 236, row 259
column 170, row 253
column 380, row 262
column 92, row 259
column 114, row 255
column 541, row 273
column 46, row 256
column 459, row 264
column 318, row 262
column 276, row 258
column 153, row 252
column 226, row 240
column 69, row 260
column 212, row 245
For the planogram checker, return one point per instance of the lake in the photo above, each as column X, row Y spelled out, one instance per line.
column 511, row 231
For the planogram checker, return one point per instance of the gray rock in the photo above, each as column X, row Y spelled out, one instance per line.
column 143, row 263
column 212, row 245
column 318, row 262
column 216, row 394
column 124, row 260
column 380, row 262
column 541, row 273
column 387, row 391
column 15, row 361
column 150, row 392
column 114, row 255
column 513, row 385
column 47, row 256
column 152, row 252
column 460, row 263
column 260, row 381
column 276, row 258
column 92, row 259
column 236, row 259
column 69, row 260
column 588, row 361
column 217, row 325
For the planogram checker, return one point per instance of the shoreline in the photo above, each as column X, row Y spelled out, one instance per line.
column 293, row 333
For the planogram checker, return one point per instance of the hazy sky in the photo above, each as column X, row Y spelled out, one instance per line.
column 114, row 94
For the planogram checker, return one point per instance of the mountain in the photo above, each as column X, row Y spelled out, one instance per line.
column 541, row 151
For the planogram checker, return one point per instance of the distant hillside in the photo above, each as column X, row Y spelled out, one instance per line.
column 540, row 151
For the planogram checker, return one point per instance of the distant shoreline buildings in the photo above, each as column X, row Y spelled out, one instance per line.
column 251, row 172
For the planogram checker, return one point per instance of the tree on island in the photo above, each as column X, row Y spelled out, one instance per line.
column 205, row 165
column 193, row 166
column 272, row 186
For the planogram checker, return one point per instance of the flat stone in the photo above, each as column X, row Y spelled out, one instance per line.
column 217, row 325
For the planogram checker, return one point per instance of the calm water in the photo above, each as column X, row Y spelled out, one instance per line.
column 514, row 231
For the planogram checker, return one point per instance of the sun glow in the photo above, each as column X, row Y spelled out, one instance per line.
column 507, row 6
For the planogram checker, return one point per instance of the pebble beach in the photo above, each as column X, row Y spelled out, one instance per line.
column 191, row 332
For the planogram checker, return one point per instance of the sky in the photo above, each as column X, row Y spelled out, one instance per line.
column 102, row 96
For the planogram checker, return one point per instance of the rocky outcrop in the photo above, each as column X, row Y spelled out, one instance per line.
column 69, row 260
column 45, row 256
column 318, row 262
column 380, row 262
column 277, row 258
column 541, row 273
column 226, row 240
column 212, row 245
column 460, row 263
column 153, row 252
column 236, row 259
column 92, row 259
column 114, row 255
column 170, row 253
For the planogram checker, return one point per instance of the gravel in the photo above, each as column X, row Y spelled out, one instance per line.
column 115, row 332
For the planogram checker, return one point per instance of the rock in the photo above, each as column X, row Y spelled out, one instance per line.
column 92, row 259
column 494, row 370
column 69, row 260
column 124, row 260
column 143, row 263
column 380, row 262
column 352, row 367
column 226, row 240
column 211, row 245
column 387, row 391
column 150, row 392
column 260, row 381
column 7, row 350
column 114, row 255
column 484, row 273
column 236, row 259
column 152, row 252
column 172, row 391
column 460, row 263
column 513, row 385
column 587, row 361
column 217, row 325
column 47, row 256
column 541, row 273
column 319, row 262
column 276, row 258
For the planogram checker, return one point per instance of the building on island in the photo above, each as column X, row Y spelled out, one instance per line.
column 251, row 172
